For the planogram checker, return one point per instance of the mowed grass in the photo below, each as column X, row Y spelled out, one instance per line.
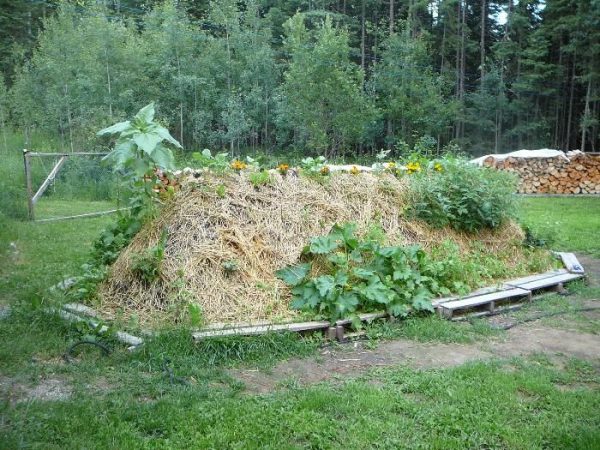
column 517, row 404
column 127, row 400
column 51, row 208
column 573, row 223
column 39, row 255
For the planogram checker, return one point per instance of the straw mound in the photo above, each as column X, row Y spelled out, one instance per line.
column 261, row 229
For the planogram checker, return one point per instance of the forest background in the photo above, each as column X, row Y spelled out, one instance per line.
column 340, row 78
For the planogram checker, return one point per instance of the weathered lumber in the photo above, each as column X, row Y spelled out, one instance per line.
column 550, row 281
column 49, row 179
column 121, row 336
column 517, row 282
column 261, row 329
column 571, row 262
column 447, row 309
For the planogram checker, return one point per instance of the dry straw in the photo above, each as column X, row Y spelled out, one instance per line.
column 225, row 221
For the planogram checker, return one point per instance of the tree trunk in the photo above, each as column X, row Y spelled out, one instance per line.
column 362, row 35
column 482, row 41
column 586, row 113
column 391, row 16
column 570, row 115
column 108, row 82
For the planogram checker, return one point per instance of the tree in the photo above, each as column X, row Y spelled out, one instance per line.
column 410, row 93
column 322, row 104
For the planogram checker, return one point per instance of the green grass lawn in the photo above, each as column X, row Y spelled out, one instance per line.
column 43, row 254
column 572, row 223
column 50, row 208
column 126, row 400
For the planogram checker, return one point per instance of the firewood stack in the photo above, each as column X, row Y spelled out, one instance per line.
column 579, row 173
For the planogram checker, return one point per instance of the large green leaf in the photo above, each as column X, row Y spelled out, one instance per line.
column 376, row 291
column 347, row 302
column 163, row 157
column 421, row 300
column 305, row 295
column 146, row 113
column 121, row 154
column 293, row 275
column 116, row 128
column 322, row 245
column 147, row 141
column 398, row 310
column 325, row 284
column 165, row 135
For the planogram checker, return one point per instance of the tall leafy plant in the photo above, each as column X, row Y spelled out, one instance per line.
column 142, row 144
column 141, row 153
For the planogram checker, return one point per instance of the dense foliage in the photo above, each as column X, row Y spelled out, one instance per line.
column 463, row 196
column 330, row 77
column 345, row 275
column 140, row 154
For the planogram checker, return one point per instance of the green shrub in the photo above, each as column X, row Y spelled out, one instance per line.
column 463, row 196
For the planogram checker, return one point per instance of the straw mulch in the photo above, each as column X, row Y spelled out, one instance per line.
column 260, row 230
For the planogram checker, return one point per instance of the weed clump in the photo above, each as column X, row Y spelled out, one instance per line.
column 463, row 196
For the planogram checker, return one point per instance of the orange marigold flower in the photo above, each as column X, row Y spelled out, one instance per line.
column 325, row 170
column 283, row 168
column 354, row 170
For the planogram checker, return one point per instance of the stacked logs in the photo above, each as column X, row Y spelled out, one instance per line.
column 579, row 173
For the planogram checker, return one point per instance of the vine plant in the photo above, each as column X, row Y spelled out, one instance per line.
column 343, row 275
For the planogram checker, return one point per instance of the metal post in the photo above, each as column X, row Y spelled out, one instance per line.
column 29, row 184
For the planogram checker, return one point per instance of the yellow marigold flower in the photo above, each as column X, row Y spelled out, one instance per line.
column 354, row 170
column 283, row 168
column 238, row 165
column 325, row 170
column 438, row 167
column 413, row 167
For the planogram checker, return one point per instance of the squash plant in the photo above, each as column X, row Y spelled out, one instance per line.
column 344, row 275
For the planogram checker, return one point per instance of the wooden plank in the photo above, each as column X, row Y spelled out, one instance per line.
column 29, row 184
column 485, row 290
column 541, row 276
column 49, row 179
column 78, row 308
column 548, row 282
column 513, row 307
column 483, row 299
column 123, row 337
column 261, row 329
column 571, row 262
column 363, row 318
column 67, row 154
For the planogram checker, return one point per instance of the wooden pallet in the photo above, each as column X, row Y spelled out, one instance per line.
column 510, row 290
column 488, row 301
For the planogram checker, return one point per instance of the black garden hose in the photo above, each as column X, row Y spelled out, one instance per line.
column 69, row 353
column 168, row 371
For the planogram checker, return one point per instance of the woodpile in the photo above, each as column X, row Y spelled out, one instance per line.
column 579, row 173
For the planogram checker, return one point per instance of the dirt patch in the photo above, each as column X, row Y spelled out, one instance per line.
column 352, row 359
column 592, row 269
column 49, row 389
